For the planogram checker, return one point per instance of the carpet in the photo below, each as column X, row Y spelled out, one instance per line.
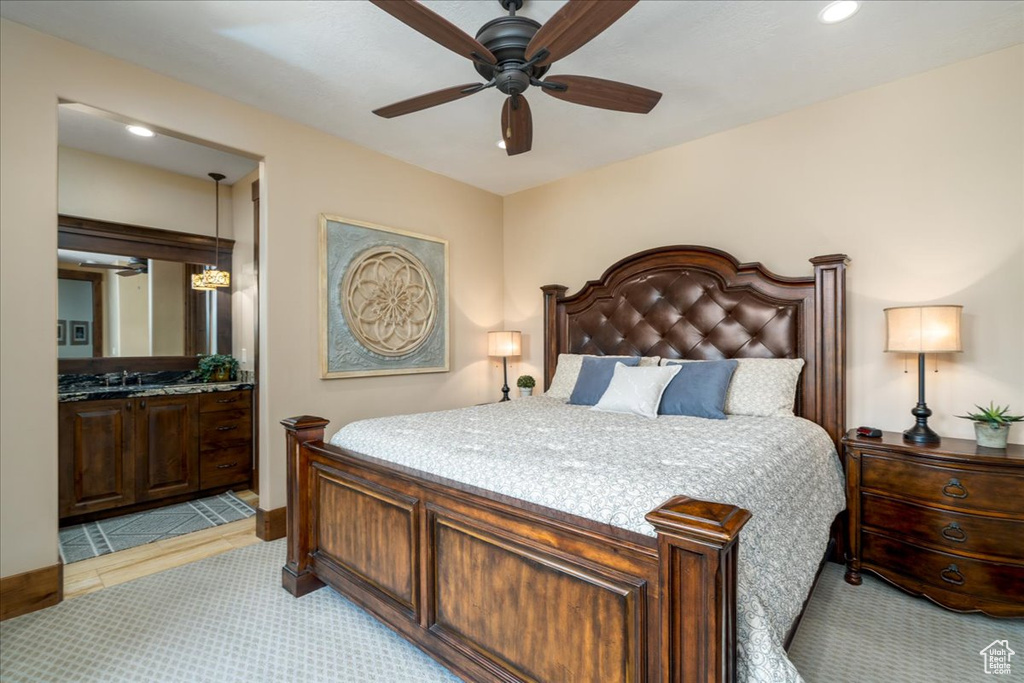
column 226, row 619
column 82, row 541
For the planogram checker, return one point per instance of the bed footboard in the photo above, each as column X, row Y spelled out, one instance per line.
column 502, row 590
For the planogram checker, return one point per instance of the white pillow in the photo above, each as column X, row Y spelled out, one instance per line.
column 636, row 390
column 762, row 387
column 568, row 371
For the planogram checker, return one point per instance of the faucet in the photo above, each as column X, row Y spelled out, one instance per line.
column 124, row 378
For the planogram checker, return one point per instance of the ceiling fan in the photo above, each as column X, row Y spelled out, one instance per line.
column 135, row 266
column 512, row 53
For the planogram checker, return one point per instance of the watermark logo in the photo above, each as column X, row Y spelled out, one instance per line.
column 997, row 657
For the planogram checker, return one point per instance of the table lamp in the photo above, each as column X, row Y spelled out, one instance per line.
column 504, row 344
column 921, row 330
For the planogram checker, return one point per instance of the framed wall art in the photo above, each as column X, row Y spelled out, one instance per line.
column 62, row 333
column 79, row 332
column 383, row 300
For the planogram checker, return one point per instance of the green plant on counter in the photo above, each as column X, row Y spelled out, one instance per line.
column 993, row 415
column 526, row 382
column 217, row 368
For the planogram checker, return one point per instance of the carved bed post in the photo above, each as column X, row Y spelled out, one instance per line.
column 697, row 554
column 295, row 576
column 829, row 305
column 552, row 343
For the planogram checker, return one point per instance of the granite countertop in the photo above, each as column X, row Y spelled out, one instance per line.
column 136, row 390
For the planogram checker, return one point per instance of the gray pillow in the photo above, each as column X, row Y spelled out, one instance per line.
column 595, row 376
column 699, row 389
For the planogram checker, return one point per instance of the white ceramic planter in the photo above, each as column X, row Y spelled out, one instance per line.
column 525, row 391
column 990, row 435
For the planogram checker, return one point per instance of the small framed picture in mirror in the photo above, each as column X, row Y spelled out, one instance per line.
column 62, row 333
column 79, row 332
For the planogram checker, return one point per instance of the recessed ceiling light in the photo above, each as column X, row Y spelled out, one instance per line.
column 500, row 144
column 141, row 131
column 840, row 10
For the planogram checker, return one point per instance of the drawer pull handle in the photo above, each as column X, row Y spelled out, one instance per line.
column 227, row 400
column 953, row 532
column 954, row 489
column 226, row 428
column 228, row 466
column 952, row 575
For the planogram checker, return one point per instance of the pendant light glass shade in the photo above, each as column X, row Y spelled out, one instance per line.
column 211, row 278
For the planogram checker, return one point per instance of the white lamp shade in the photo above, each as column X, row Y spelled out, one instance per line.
column 504, row 343
column 923, row 329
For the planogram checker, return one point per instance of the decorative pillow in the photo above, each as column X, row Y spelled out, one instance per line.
column 762, row 387
column 699, row 389
column 636, row 390
column 595, row 375
column 568, row 369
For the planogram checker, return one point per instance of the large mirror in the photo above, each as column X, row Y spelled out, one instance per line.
column 113, row 305
column 125, row 291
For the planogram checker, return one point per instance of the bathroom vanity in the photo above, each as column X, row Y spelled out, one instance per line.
column 122, row 447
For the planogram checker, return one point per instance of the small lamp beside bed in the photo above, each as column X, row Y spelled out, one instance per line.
column 921, row 330
column 504, row 344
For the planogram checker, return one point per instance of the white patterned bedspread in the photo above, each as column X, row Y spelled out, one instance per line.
column 615, row 468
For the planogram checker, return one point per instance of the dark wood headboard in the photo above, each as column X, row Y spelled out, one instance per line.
column 701, row 303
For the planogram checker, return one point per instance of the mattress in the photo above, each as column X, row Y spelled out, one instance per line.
column 615, row 468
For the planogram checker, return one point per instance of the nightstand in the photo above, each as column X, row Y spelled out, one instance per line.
column 944, row 521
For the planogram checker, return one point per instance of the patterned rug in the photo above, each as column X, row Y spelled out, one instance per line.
column 82, row 541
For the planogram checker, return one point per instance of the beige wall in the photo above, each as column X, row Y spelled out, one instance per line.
column 305, row 172
column 243, row 274
column 920, row 182
column 101, row 187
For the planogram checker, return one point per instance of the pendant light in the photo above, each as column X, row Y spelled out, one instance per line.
column 211, row 278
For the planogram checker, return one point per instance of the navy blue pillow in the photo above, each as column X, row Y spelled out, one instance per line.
column 698, row 389
column 594, row 378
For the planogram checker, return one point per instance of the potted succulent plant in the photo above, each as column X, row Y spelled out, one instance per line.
column 992, row 424
column 526, row 383
column 217, row 368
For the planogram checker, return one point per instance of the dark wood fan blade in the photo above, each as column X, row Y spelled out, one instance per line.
column 575, row 25
column 435, row 27
column 597, row 92
column 431, row 99
column 516, row 125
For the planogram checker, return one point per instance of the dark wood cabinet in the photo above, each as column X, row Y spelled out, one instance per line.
column 125, row 454
column 225, row 437
column 97, row 464
column 945, row 521
column 166, row 446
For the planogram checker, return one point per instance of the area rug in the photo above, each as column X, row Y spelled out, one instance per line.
column 82, row 541
column 226, row 619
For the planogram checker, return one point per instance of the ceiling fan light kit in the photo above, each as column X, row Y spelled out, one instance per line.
column 513, row 53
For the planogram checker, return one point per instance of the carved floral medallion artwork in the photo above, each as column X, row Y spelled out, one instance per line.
column 383, row 300
column 389, row 301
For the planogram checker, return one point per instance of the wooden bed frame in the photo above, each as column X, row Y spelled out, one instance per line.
column 498, row 589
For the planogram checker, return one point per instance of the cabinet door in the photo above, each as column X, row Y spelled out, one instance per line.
column 97, row 468
column 166, row 446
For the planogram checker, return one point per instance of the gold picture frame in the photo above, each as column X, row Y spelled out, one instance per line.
column 383, row 299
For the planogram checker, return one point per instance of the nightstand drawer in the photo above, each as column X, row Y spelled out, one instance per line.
column 957, row 531
column 991, row 580
column 964, row 489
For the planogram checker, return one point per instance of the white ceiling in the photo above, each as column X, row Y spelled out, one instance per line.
column 82, row 127
column 719, row 64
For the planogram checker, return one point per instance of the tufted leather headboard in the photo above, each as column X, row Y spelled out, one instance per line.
column 701, row 303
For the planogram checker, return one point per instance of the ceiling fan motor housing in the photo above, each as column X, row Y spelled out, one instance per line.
column 507, row 38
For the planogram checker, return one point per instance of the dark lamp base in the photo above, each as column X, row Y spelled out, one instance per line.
column 922, row 434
